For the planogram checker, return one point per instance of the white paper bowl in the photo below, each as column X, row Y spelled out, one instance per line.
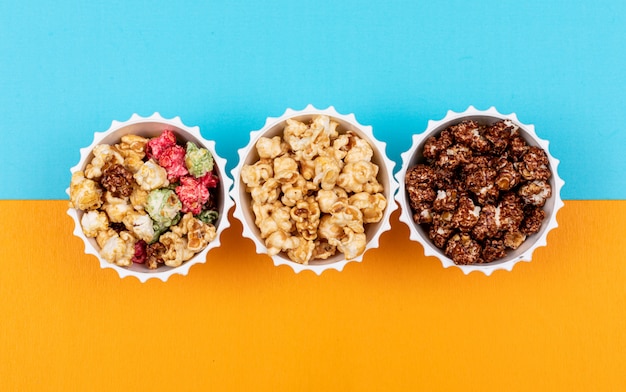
column 153, row 126
column 274, row 126
column 414, row 156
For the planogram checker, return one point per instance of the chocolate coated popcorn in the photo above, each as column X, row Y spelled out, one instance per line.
column 479, row 191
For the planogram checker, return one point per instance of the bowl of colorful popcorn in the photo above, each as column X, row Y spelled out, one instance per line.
column 314, row 189
column 149, row 197
column 479, row 190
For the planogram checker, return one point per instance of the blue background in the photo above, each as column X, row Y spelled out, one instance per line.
column 68, row 68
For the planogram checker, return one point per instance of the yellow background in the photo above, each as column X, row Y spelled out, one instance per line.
column 396, row 321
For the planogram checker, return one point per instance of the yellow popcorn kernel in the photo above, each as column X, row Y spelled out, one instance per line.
column 285, row 169
column 116, row 207
column 327, row 171
column 306, row 215
column 138, row 197
column 199, row 234
column 94, row 222
column 85, row 194
column 351, row 244
column 103, row 156
column 280, row 241
column 116, row 248
column 255, row 175
column 132, row 145
column 372, row 206
column 176, row 249
column 303, row 252
column 270, row 148
column 273, row 217
column 326, row 198
column 266, row 193
column 355, row 175
column 296, row 135
column 360, row 151
column 140, row 224
column 151, row 176
column 296, row 191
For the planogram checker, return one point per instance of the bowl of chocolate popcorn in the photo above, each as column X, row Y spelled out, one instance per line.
column 314, row 189
column 479, row 190
column 149, row 197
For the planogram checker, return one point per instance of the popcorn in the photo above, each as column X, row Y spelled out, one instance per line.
column 306, row 215
column 302, row 252
column 132, row 145
column 138, row 197
column 117, row 180
column 132, row 149
column 199, row 161
column 116, row 248
column 285, row 169
column 176, row 249
column 85, row 194
column 313, row 190
column 281, row 241
column 351, row 245
column 272, row 217
column 296, row 191
column 372, row 206
column 141, row 225
column 198, row 233
column 327, row 169
column 103, row 156
column 148, row 201
column 94, row 222
column 327, row 198
column 270, row 148
column 255, row 175
column 151, row 176
column 479, row 191
column 355, row 176
column 172, row 159
column 156, row 146
column 269, row 192
column 192, row 194
column 163, row 206
column 116, row 207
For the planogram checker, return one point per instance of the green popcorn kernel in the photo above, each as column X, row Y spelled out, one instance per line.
column 199, row 161
column 208, row 216
column 163, row 206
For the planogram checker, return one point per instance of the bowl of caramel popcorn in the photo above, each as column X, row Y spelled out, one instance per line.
column 149, row 197
column 314, row 189
column 479, row 190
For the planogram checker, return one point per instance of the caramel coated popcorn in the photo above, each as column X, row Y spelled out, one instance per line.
column 480, row 190
column 314, row 189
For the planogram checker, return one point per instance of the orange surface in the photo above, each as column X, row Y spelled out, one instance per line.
column 396, row 321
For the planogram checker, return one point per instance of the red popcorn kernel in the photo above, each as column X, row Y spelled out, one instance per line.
column 193, row 194
column 140, row 252
column 156, row 146
column 172, row 159
column 209, row 180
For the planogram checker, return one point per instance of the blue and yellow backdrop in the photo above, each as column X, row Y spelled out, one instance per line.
column 396, row 321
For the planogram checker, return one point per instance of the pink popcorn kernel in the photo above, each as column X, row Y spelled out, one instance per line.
column 140, row 252
column 209, row 180
column 172, row 159
column 156, row 146
column 192, row 194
